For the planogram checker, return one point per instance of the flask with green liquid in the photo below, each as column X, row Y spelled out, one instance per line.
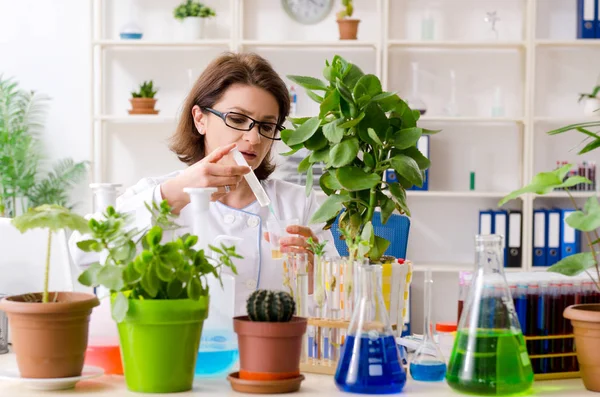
column 489, row 355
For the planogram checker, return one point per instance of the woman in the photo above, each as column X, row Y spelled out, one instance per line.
column 238, row 101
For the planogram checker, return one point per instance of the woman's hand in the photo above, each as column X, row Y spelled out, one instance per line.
column 205, row 173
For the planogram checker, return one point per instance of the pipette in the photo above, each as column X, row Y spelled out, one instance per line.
column 253, row 182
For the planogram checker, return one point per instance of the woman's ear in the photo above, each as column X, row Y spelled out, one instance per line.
column 199, row 119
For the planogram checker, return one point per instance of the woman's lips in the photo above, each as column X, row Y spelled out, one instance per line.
column 249, row 156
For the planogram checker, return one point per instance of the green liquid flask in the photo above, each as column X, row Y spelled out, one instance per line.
column 489, row 355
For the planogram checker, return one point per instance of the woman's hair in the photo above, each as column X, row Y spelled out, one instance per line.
column 223, row 72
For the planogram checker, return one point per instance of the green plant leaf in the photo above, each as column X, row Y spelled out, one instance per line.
column 387, row 100
column 120, row 306
column 407, row 168
column 354, row 178
column 164, row 271
column 90, row 246
column 89, row 277
column 154, row 236
column 125, row 252
column 344, row 152
column 574, row 180
column 399, row 195
column 314, row 97
column 131, row 275
column 330, row 181
column 50, row 216
column 376, row 119
column 368, row 85
column 111, row 277
column 369, row 160
column 590, row 146
column 373, row 135
column 333, row 132
column 587, row 220
column 331, row 102
column 317, row 141
column 574, row 264
column 329, row 209
column 414, row 153
column 194, row 289
column 387, row 208
column 309, row 83
column 319, row 156
column 542, row 183
column 304, row 164
column 150, row 282
column 378, row 248
column 353, row 122
column 309, row 181
column 174, row 289
column 368, row 234
column 352, row 75
column 304, row 132
column 407, row 137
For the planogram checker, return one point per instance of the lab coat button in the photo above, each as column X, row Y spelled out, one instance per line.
column 229, row 218
column 251, row 284
column 253, row 221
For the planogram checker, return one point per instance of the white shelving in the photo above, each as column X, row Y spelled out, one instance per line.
column 385, row 49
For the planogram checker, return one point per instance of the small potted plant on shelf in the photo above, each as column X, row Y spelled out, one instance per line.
column 591, row 106
column 585, row 318
column 270, row 344
column 160, row 296
column 192, row 14
column 348, row 27
column 49, row 329
column 143, row 101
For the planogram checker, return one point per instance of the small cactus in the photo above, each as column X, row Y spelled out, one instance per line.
column 270, row 306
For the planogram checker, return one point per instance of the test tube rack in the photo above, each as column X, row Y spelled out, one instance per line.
column 537, row 358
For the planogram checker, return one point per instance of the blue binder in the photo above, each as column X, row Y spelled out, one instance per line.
column 539, row 237
column 587, row 19
column 486, row 222
column 569, row 237
column 501, row 229
column 553, row 237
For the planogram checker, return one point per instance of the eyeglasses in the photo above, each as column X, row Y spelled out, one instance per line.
column 241, row 122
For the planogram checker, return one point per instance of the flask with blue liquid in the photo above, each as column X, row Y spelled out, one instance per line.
column 370, row 360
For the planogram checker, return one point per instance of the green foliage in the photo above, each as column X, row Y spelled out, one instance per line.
column 593, row 94
column 54, row 218
column 270, row 306
column 316, row 248
column 359, row 133
column 146, row 90
column 22, row 116
column 347, row 10
column 192, row 8
column 162, row 270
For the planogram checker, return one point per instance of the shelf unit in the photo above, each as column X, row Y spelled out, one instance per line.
column 381, row 49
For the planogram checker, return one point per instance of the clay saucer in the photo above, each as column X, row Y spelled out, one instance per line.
column 264, row 386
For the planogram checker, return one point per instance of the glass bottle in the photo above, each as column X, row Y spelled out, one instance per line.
column 489, row 355
column 413, row 100
column 428, row 363
column 370, row 361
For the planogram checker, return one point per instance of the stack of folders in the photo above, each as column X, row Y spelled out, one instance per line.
column 588, row 24
column 553, row 238
column 508, row 224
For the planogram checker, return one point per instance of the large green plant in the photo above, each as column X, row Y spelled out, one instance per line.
column 162, row 270
column 359, row 133
column 586, row 220
column 22, row 175
column 192, row 8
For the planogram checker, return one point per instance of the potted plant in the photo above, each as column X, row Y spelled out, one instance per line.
column 24, row 182
column 585, row 318
column 269, row 340
column 142, row 101
column 347, row 26
column 49, row 329
column 192, row 15
column 592, row 102
column 159, row 296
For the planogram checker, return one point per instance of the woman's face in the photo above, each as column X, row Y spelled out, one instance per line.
column 250, row 101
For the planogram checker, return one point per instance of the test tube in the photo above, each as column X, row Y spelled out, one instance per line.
column 253, row 182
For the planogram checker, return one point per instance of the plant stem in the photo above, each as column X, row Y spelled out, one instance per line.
column 47, row 270
column 372, row 202
column 14, row 205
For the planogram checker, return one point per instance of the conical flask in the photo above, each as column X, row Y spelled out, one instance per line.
column 370, row 361
column 489, row 355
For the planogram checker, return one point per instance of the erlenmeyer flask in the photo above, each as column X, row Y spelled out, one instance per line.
column 370, row 361
column 489, row 355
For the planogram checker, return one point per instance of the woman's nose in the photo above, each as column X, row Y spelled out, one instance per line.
column 252, row 136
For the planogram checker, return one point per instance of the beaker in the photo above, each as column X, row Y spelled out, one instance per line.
column 489, row 355
column 370, row 361
column 428, row 363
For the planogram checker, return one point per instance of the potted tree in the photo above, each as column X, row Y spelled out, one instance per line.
column 592, row 102
column 270, row 344
column 585, row 318
column 142, row 101
column 347, row 26
column 49, row 329
column 192, row 15
column 159, row 296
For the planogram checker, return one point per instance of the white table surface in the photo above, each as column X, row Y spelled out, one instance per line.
column 114, row 386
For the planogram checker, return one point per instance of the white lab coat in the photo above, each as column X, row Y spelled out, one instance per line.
column 257, row 269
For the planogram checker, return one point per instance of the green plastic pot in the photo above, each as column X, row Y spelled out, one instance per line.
column 159, row 343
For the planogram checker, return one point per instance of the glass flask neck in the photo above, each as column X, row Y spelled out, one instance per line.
column 489, row 253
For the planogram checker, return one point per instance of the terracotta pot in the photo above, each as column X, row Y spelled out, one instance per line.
column 348, row 28
column 269, row 351
column 49, row 339
column 143, row 106
column 586, row 327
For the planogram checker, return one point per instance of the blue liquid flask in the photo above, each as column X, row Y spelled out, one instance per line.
column 370, row 360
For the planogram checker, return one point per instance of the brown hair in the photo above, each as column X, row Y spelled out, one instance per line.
column 219, row 75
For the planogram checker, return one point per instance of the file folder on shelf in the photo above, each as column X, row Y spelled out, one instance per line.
column 501, row 229
column 587, row 19
column 553, row 240
column 539, row 237
column 486, row 222
column 514, row 249
column 569, row 237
